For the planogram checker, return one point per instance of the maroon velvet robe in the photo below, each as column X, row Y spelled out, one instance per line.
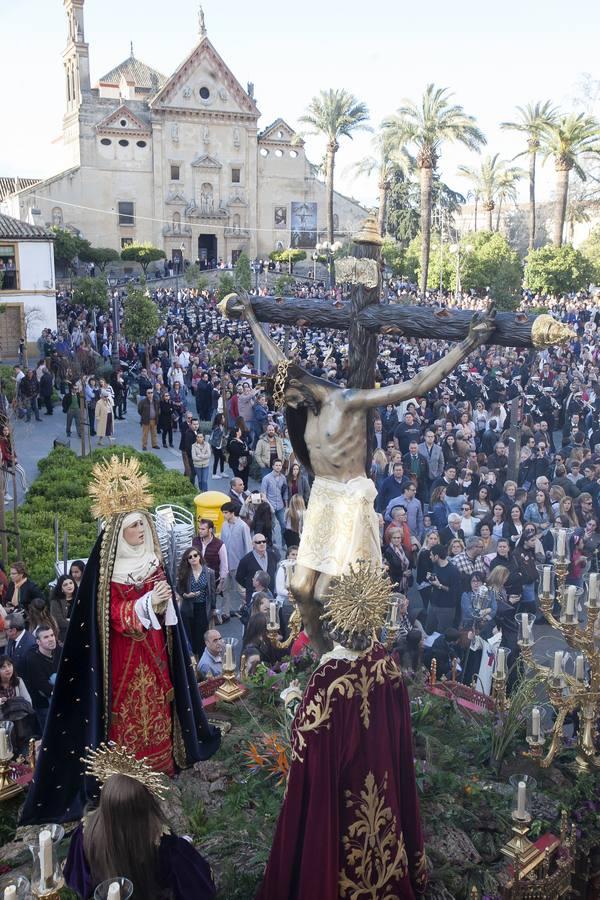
column 350, row 824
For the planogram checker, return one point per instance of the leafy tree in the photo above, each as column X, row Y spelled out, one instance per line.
column 494, row 179
column 282, row 284
column 591, row 250
column 393, row 255
column 91, row 292
column 533, row 121
column 568, row 140
column 67, row 246
column 557, row 270
column 388, row 161
column 289, row 256
column 488, row 262
column 425, row 126
column 243, row 273
column 334, row 114
column 100, row 256
column 222, row 353
column 404, row 205
column 141, row 319
column 144, row 254
column 226, row 285
column 196, row 278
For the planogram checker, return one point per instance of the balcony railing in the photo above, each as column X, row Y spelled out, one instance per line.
column 9, row 279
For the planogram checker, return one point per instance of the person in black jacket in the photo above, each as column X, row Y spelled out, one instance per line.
column 21, row 590
column 165, row 418
column 258, row 558
column 20, row 642
column 40, row 672
column 46, row 386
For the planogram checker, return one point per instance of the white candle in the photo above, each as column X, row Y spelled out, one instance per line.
column 579, row 668
column 558, row 658
column 273, row 613
column 525, row 624
column 394, row 612
column 561, row 544
column 535, row 722
column 10, row 893
column 114, row 891
column 4, row 748
column 571, row 595
column 546, row 579
column 521, row 798
column 593, row 588
column 45, row 855
column 228, row 657
column 501, row 662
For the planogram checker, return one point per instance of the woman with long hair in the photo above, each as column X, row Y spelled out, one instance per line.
column 62, row 599
column 468, row 522
column 507, row 605
column 15, row 704
column 238, row 450
column 425, row 570
column 257, row 647
column 8, row 457
column 262, row 521
column 39, row 614
column 379, row 467
column 525, row 560
column 196, row 587
column 540, row 512
column 450, row 450
column 566, row 510
column 513, row 527
column 498, row 519
column 298, row 483
column 482, row 507
column 217, row 444
column 76, row 571
column 438, row 508
column 294, row 515
column 128, row 834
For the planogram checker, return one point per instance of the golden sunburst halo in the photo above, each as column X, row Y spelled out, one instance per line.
column 357, row 602
column 118, row 486
column 110, row 759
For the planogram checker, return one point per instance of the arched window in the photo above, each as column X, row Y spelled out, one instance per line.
column 176, row 223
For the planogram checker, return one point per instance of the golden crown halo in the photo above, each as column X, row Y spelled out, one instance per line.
column 118, row 486
column 110, row 759
column 357, row 602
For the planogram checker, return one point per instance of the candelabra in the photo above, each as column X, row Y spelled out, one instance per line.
column 294, row 626
column 230, row 690
column 567, row 693
column 8, row 787
column 499, row 681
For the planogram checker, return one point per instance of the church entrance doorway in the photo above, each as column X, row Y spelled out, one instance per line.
column 207, row 250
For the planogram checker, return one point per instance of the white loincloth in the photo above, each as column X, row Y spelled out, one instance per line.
column 340, row 526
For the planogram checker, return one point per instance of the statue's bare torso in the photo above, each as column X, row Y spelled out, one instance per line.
column 336, row 438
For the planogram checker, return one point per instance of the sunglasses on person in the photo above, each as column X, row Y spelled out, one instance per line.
column 194, row 556
column 259, row 542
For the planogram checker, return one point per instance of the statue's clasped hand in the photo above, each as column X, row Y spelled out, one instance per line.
column 482, row 326
column 161, row 595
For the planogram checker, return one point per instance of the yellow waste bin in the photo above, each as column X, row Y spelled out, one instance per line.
column 208, row 506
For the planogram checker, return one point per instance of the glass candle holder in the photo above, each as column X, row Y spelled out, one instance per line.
column 522, row 790
column 525, row 621
column 501, row 662
column 46, row 875
column 561, row 538
column 6, row 741
column 593, row 590
column 117, row 888
column 230, row 645
column 546, row 580
column 537, row 722
column 20, row 885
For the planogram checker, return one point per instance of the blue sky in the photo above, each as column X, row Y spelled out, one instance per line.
column 493, row 56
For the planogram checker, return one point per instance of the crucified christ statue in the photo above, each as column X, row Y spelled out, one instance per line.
column 328, row 430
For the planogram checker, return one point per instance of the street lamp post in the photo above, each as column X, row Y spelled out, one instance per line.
column 329, row 250
column 256, row 269
column 315, row 258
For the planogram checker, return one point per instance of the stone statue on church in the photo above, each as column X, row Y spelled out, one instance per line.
column 201, row 22
column 205, row 135
column 175, row 133
column 236, row 137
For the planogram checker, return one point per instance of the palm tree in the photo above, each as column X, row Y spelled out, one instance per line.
column 426, row 125
column 389, row 161
column 534, row 120
column 494, row 180
column 568, row 140
column 335, row 114
column 475, row 196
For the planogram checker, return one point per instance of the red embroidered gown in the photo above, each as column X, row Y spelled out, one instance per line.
column 141, row 687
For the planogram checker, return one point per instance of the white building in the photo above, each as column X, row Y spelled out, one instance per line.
column 26, row 284
column 177, row 161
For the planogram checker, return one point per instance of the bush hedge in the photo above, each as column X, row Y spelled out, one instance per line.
column 61, row 489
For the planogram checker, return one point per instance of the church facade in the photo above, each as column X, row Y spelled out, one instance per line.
column 177, row 161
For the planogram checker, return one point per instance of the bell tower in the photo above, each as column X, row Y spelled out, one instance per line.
column 76, row 60
column 76, row 57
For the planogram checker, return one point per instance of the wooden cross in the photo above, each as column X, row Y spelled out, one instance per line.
column 364, row 317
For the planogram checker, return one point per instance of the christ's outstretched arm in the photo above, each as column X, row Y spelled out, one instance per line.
column 482, row 326
column 240, row 303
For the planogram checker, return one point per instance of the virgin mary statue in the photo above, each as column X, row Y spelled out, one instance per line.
column 125, row 674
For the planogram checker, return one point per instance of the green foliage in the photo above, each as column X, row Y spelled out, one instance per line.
column 226, row 285
column 144, row 254
column 243, row 273
column 67, row 246
column 393, row 256
column 195, row 278
column 558, row 270
column 100, row 256
column 91, row 293
column 140, row 316
column 7, row 382
column 282, row 284
column 287, row 256
column 487, row 261
column 591, row 250
column 61, row 489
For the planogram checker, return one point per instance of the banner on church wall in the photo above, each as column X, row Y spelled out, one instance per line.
column 304, row 225
column 280, row 217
